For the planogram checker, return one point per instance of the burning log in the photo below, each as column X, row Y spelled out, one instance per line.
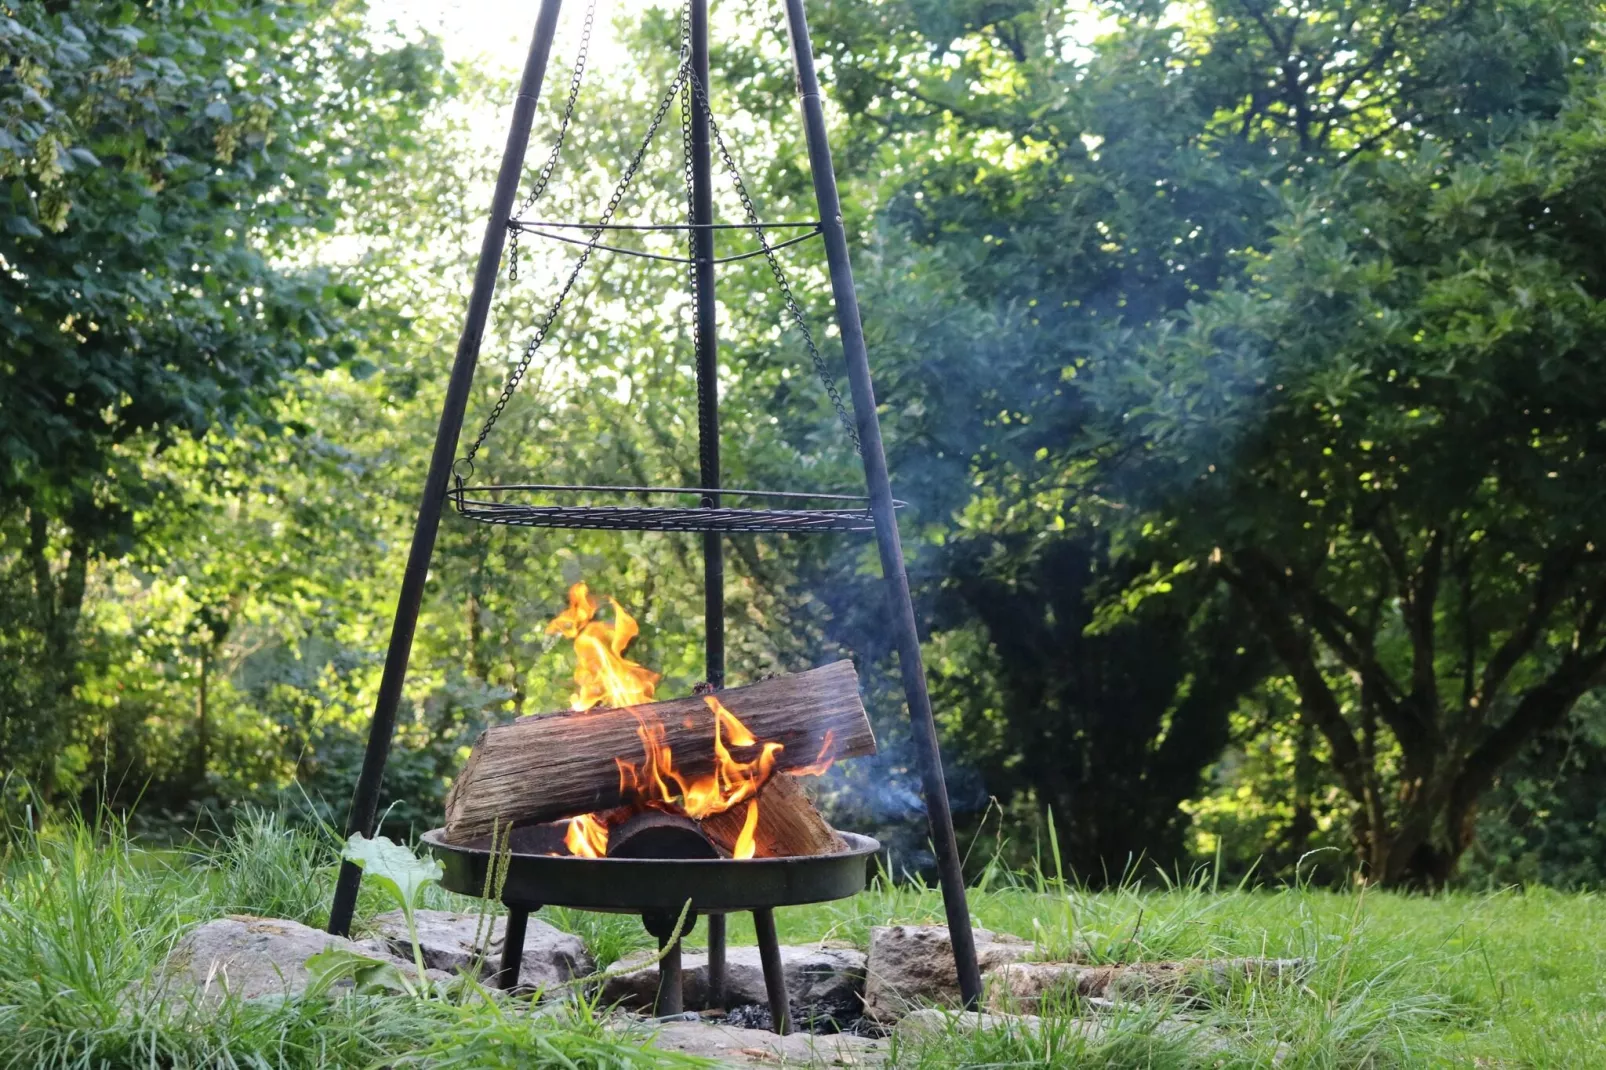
column 788, row 823
column 564, row 764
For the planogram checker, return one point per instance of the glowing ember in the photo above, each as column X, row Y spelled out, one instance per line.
column 603, row 676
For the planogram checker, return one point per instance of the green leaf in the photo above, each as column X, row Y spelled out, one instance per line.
column 393, row 865
column 370, row 975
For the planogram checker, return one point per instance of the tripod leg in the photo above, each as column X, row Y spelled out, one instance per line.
column 365, row 801
column 886, row 524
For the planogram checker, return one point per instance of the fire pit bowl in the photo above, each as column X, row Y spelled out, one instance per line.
column 657, row 889
column 652, row 885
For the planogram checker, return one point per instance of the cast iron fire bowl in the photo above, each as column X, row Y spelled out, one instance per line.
column 650, row 885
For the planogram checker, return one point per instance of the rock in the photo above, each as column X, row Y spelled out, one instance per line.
column 1022, row 987
column 820, row 982
column 250, row 958
column 552, row 957
column 933, row 1023
column 755, row 1047
column 914, row 964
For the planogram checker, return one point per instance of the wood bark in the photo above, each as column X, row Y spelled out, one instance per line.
column 788, row 823
column 559, row 765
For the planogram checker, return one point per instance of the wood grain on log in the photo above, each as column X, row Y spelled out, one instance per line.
column 788, row 823
column 562, row 764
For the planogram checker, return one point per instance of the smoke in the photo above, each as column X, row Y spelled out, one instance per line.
column 881, row 796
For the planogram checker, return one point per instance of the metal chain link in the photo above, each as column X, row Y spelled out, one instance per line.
column 551, row 164
column 517, row 374
column 792, row 306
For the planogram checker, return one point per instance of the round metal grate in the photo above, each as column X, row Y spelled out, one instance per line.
column 530, row 505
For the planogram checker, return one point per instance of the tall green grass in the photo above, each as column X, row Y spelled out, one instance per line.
column 1507, row 979
column 86, row 919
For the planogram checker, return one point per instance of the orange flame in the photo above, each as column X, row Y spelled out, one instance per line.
column 656, row 782
column 587, row 837
column 822, row 761
column 746, row 840
column 603, row 676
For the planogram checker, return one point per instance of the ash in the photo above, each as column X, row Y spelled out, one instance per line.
column 757, row 1016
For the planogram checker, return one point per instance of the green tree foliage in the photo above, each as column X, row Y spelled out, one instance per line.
column 1064, row 202
column 1393, row 456
column 167, row 166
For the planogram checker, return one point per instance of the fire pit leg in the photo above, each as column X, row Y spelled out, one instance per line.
column 518, row 923
column 671, row 997
column 769, row 955
column 716, row 960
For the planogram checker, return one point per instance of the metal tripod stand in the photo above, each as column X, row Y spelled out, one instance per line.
column 714, row 517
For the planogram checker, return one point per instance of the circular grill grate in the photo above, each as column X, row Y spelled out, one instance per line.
column 530, row 505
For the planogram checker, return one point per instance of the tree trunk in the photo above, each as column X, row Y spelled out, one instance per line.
column 201, row 755
column 1302, row 826
column 58, row 601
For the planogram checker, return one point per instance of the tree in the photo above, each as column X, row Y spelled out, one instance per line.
column 168, row 166
column 1064, row 209
column 1110, row 723
column 1387, row 443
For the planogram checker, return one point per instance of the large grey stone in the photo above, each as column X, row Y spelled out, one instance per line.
column 911, row 965
column 552, row 957
column 247, row 957
column 821, row 982
column 931, row 1024
column 731, row 1046
column 1023, row 987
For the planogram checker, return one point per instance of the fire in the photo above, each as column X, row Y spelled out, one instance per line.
column 587, row 837
column 603, row 676
column 656, row 782
column 746, row 840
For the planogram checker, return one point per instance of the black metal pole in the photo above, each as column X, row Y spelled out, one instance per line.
column 707, row 334
column 716, row 960
column 518, row 925
column 671, row 997
column 769, row 957
column 365, row 801
column 702, row 242
column 886, row 524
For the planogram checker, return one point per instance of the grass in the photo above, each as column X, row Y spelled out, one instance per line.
column 1496, row 980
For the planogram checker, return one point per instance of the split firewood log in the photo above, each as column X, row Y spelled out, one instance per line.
column 788, row 823
column 559, row 765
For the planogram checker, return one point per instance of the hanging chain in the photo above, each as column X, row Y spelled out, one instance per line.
column 551, row 164
column 530, row 347
column 793, row 308
column 689, row 90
